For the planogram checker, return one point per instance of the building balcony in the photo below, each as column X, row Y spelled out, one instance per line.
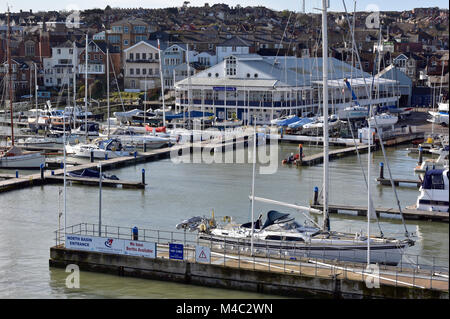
column 242, row 103
column 142, row 61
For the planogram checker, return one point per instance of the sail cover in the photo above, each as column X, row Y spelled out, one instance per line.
column 273, row 216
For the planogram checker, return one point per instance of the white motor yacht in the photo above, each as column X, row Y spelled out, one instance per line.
column 100, row 148
column 434, row 191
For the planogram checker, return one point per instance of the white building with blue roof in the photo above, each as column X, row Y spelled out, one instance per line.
column 247, row 85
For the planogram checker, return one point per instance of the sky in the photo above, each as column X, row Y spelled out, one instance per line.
column 335, row 5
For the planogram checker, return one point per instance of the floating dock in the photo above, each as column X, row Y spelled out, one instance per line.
column 398, row 181
column 333, row 154
column 167, row 256
column 12, row 182
column 94, row 181
column 407, row 212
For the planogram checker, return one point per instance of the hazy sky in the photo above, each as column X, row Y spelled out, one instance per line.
column 294, row 5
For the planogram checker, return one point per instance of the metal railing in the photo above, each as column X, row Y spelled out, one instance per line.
column 412, row 270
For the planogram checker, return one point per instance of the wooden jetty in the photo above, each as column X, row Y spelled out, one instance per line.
column 408, row 213
column 318, row 158
column 94, row 181
column 44, row 177
column 397, row 181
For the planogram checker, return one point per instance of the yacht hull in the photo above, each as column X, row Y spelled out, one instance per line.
column 387, row 253
column 33, row 160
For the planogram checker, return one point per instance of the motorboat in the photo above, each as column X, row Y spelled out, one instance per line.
column 92, row 129
column 434, row 191
column 129, row 136
column 51, row 139
column 14, row 157
column 441, row 116
column 439, row 163
column 100, row 148
column 281, row 233
column 383, row 120
column 76, row 113
column 353, row 112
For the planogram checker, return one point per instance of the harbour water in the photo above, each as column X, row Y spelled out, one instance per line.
column 178, row 191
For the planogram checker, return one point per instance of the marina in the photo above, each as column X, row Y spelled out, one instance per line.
column 196, row 180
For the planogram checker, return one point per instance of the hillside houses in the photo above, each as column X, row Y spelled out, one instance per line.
column 411, row 40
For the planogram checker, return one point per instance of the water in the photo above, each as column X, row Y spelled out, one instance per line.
column 178, row 191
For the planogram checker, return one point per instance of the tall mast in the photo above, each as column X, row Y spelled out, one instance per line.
column 107, row 87
column 253, row 187
column 10, row 79
column 162, row 84
column 326, row 221
column 86, row 86
column 74, row 58
column 36, row 91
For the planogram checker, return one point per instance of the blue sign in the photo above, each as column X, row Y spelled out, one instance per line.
column 43, row 94
column 176, row 251
column 224, row 88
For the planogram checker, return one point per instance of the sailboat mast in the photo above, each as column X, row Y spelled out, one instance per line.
column 86, row 86
column 10, row 79
column 253, row 186
column 326, row 221
column 107, row 88
column 36, row 92
column 74, row 59
column 162, row 84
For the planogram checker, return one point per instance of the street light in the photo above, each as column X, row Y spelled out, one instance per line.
column 100, row 201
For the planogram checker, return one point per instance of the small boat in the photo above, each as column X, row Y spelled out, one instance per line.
column 302, row 122
column 383, row 120
column 318, row 123
column 91, row 173
column 125, row 117
column 16, row 158
column 51, row 139
column 100, row 148
column 285, row 120
column 441, row 116
column 353, row 112
column 129, row 136
column 92, row 129
column 439, row 163
column 434, row 191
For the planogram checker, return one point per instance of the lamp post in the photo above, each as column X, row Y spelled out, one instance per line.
column 100, row 201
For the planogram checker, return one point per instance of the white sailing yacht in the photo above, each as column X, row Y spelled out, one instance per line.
column 14, row 157
column 280, row 232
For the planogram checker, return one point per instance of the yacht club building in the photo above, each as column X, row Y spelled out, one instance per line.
column 246, row 85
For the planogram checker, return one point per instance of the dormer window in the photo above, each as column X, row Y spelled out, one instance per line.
column 230, row 65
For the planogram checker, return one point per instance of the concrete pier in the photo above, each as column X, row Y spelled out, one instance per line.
column 257, row 274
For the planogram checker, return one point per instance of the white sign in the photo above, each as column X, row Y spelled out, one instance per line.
column 140, row 248
column 79, row 242
column 108, row 245
column 111, row 245
column 202, row 254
